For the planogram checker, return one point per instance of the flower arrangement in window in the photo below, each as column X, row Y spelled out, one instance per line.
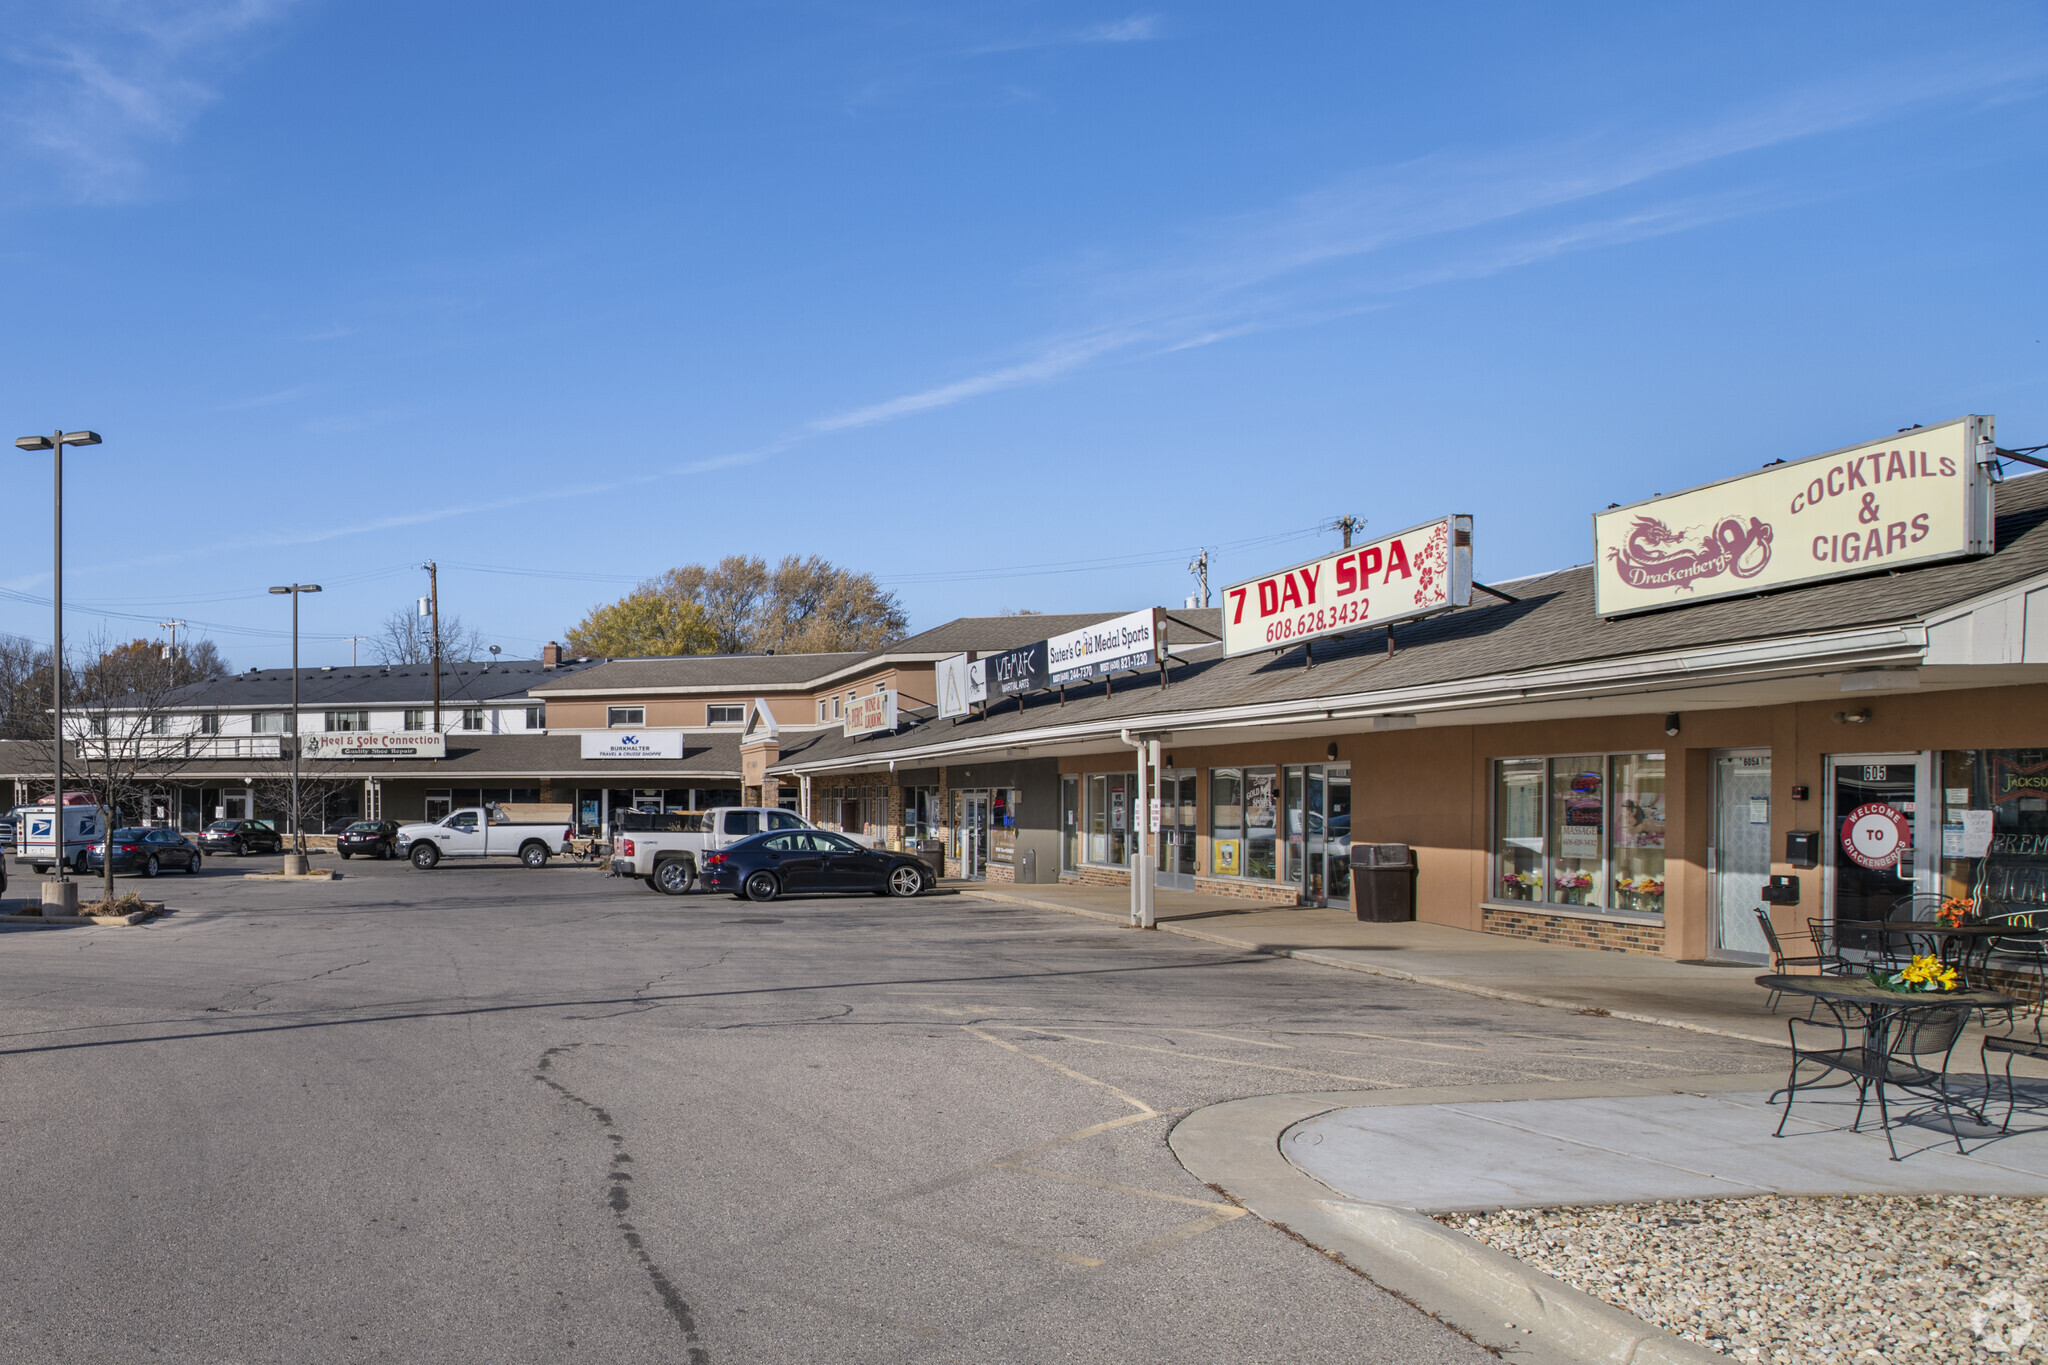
column 1640, row 893
column 1521, row 886
column 1571, row 887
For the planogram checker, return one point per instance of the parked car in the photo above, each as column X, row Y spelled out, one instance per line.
column 241, row 837
column 371, row 838
column 802, row 861
column 485, row 832
column 666, row 849
column 148, row 851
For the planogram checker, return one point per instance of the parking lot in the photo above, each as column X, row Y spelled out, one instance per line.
column 492, row 1114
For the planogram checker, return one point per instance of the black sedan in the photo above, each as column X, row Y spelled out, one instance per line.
column 240, row 837
column 802, row 861
column 371, row 838
column 148, row 851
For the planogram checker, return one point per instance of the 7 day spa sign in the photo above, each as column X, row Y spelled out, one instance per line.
column 1913, row 497
column 1423, row 569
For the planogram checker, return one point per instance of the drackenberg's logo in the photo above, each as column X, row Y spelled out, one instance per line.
column 1655, row 556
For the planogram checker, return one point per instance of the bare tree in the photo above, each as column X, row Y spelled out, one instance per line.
column 125, row 737
column 318, row 780
column 407, row 638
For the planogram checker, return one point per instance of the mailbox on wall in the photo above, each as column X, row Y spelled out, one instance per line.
column 1802, row 847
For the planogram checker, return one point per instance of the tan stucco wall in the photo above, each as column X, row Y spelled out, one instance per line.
column 1431, row 788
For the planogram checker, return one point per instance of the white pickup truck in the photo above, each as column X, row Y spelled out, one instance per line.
column 666, row 849
column 485, row 832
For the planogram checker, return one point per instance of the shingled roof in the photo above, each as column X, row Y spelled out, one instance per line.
column 1552, row 625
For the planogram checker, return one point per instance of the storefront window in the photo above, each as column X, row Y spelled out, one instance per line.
column 1636, row 829
column 1994, row 828
column 1109, row 816
column 1002, row 826
column 1261, row 823
column 1578, row 812
column 1518, row 807
column 1582, row 830
column 1226, row 822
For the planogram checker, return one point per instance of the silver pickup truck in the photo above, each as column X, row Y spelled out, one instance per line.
column 481, row 832
column 666, row 849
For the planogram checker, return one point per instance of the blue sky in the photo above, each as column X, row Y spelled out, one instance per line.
column 1013, row 305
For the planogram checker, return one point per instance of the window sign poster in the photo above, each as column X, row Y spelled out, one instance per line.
column 1223, row 852
column 1976, row 833
column 1759, row 810
column 1259, row 803
column 1116, row 808
column 1639, row 817
column 1584, row 813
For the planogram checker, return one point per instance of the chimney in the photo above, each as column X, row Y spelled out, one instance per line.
column 551, row 656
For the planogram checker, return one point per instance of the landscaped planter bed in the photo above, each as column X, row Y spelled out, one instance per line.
column 1863, row 1280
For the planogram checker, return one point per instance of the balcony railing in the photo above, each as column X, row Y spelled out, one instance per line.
column 179, row 748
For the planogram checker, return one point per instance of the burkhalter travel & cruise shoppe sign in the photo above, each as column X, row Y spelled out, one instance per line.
column 1911, row 498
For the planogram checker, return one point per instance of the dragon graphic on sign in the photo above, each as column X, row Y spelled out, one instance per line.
column 1655, row 556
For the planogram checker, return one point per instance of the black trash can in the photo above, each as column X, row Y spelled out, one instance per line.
column 1383, row 882
column 932, row 852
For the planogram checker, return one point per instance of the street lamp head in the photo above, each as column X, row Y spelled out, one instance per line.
column 296, row 587
column 81, row 438
column 34, row 443
column 308, row 587
column 280, row 591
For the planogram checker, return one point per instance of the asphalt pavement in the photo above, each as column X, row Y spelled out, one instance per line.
column 492, row 1114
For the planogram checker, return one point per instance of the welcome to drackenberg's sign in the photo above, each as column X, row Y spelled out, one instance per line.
column 1910, row 498
column 1424, row 569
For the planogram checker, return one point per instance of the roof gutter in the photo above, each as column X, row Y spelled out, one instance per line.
column 1748, row 662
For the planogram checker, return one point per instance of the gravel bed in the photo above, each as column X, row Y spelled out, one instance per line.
column 1868, row 1278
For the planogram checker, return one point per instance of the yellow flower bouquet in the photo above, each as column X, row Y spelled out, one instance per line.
column 1922, row 974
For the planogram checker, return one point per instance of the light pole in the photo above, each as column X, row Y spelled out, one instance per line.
column 61, row 893
column 295, row 861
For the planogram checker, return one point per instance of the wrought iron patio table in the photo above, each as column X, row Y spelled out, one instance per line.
column 1899, row 1028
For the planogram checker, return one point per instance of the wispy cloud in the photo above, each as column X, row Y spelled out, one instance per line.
column 266, row 400
column 1349, row 245
column 91, row 88
column 1138, row 28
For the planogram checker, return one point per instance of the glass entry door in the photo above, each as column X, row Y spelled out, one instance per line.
column 1739, row 859
column 970, row 832
column 1318, row 800
column 1876, row 860
column 1177, row 829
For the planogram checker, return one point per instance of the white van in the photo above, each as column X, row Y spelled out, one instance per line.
column 34, row 825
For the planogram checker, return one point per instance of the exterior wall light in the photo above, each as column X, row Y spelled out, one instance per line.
column 1671, row 723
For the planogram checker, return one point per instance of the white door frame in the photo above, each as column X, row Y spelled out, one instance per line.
column 1926, row 850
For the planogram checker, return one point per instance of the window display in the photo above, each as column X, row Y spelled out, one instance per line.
column 1261, row 823
column 1583, row 830
column 1994, row 828
column 1226, row 822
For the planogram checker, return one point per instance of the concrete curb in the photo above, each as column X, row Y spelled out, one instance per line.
column 322, row 874
column 1322, row 958
column 149, row 910
column 1497, row 1300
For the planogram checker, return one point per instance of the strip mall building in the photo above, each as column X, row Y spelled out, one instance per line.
column 1833, row 670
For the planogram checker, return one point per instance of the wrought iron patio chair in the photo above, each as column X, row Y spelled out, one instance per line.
column 1908, row 1051
column 1827, row 947
column 2021, row 1039
column 1782, row 965
column 1897, row 949
column 2026, row 947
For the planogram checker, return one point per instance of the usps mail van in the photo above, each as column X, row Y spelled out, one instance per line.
column 83, row 828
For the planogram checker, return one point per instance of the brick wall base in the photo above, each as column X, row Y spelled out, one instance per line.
column 1269, row 892
column 1608, row 936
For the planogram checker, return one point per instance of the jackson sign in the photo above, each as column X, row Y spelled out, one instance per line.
column 1424, row 569
column 1917, row 496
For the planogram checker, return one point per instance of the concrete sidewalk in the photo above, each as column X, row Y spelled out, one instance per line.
column 1708, row 999
column 1444, row 1158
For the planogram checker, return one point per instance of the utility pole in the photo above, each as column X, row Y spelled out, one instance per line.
column 171, row 650
column 1199, row 567
column 1347, row 524
column 433, row 605
column 352, row 642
